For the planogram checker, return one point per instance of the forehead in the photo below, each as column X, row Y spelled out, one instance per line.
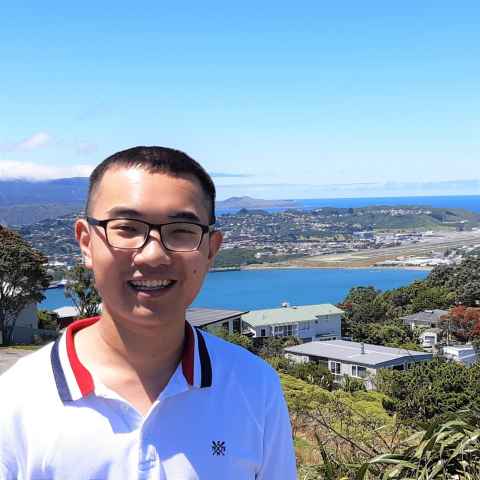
column 152, row 194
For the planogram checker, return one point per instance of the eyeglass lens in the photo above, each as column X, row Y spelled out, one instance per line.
column 122, row 233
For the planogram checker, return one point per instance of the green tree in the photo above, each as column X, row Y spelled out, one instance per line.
column 47, row 320
column 23, row 277
column 391, row 334
column 81, row 290
column 236, row 338
column 431, row 390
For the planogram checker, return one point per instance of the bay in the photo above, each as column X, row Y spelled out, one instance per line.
column 467, row 202
column 256, row 289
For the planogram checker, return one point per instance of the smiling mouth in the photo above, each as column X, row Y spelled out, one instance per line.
column 150, row 285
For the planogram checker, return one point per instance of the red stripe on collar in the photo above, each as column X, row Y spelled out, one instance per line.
column 188, row 354
column 84, row 378
column 82, row 375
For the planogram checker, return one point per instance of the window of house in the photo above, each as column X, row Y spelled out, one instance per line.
column 359, row 371
column 263, row 332
column 285, row 330
column 334, row 367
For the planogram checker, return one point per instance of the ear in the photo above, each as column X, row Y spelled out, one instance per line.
column 215, row 240
column 82, row 234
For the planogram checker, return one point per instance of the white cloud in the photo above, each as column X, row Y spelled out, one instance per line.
column 37, row 140
column 11, row 169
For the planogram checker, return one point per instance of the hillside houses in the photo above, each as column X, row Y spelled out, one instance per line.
column 352, row 359
column 307, row 322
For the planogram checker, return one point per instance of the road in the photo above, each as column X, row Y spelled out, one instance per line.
column 8, row 356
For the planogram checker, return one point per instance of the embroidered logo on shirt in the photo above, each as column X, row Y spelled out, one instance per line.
column 218, row 448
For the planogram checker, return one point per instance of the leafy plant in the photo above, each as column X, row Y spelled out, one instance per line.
column 447, row 450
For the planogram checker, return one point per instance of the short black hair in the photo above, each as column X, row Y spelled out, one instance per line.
column 156, row 160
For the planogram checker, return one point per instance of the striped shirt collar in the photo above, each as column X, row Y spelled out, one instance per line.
column 74, row 381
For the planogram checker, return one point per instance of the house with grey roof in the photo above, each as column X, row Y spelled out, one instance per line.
column 207, row 318
column 354, row 359
column 425, row 319
column 307, row 322
column 204, row 318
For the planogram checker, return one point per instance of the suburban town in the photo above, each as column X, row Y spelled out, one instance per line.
column 324, row 237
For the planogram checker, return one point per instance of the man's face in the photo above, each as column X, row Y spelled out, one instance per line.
column 155, row 198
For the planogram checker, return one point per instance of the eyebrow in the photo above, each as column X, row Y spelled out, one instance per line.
column 132, row 213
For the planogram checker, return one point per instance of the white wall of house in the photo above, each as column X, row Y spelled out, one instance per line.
column 429, row 339
column 26, row 324
column 460, row 353
column 340, row 369
column 325, row 325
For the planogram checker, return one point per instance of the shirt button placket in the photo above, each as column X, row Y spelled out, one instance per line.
column 148, row 462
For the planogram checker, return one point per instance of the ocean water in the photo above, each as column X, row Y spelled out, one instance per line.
column 467, row 202
column 256, row 289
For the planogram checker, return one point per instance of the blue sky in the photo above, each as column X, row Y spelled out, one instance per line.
column 282, row 98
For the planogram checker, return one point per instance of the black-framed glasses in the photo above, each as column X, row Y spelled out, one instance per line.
column 132, row 234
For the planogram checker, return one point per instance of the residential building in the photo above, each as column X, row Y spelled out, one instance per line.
column 430, row 337
column 208, row 318
column 26, row 325
column 426, row 319
column 460, row 353
column 354, row 359
column 307, row 322
column 205, row 318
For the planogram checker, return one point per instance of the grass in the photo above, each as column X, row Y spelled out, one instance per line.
column 22, row 347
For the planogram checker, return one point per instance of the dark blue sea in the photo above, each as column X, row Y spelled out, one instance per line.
column 467, row 202
column 255, row 289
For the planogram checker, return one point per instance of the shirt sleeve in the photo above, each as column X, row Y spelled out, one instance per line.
column 278, row 452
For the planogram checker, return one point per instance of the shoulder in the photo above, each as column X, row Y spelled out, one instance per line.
column 248, row 369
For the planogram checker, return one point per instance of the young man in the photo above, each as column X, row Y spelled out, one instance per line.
column 138, row 393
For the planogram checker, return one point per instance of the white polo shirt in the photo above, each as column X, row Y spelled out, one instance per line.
column 221, row 416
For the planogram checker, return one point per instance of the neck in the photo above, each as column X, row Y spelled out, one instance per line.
column 148, row 351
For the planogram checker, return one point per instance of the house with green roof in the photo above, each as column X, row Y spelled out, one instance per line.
column 307, row 322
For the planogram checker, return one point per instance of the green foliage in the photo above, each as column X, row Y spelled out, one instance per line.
column 449, row 450
column 236, row 338
column 235, row 257
column 273, row 346
column 47, row 320
column 389, row 334
column 312, row 373
column 431, row 389
column 462, row 280
column 81, row 290
column 352, row 384
column 23, row 277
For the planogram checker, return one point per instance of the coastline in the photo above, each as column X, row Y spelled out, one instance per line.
column 286, row 266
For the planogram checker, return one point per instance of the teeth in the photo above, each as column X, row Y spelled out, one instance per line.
column 151, row 283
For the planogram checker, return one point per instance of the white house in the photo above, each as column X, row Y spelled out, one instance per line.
column 354, row 359
column 25, row 325
column 460, row 353
column 205, row 318
column 425, row 319
column 307, row 322
column 430, row 337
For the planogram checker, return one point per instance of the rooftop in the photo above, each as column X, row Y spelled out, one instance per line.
column 351, row 352
column 427, row 316
column 289, row 314
column 198, row 317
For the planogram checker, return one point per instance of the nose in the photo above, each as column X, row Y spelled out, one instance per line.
column 153, row 252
